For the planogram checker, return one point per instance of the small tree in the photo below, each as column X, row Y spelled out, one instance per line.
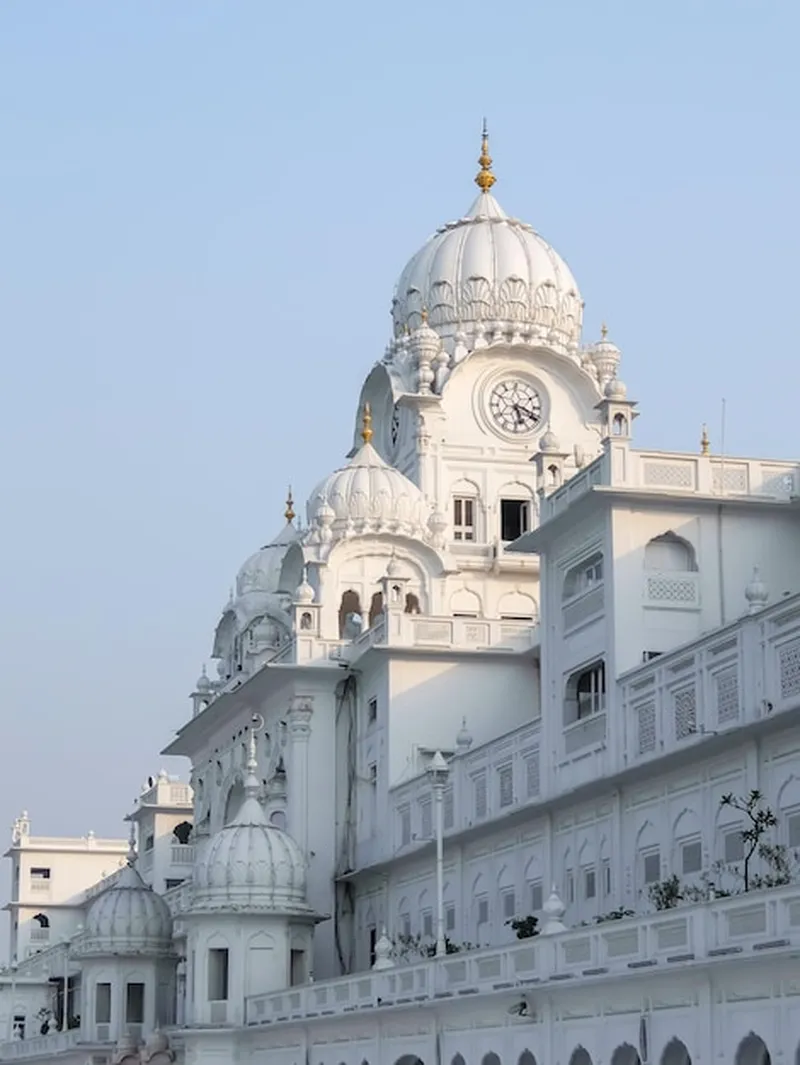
column 666, row 894
column 760, row 820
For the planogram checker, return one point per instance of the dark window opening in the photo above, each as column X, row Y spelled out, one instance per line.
column 218, row 974
column 172, row 882
column 513, row 518
column 102, row 1004
column 134, row 1004
column 412, row 604
column 40, row 872
column 42, row 920
column 182, row 832
column 373, row 939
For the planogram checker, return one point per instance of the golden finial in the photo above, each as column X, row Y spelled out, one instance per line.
column 366, row 425
column 289, row 512
column 604, row 330
column 484, row 179
column 705, row 444
column 424, row 315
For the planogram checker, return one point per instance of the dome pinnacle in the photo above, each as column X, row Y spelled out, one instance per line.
column 366, row 425
column 484, row 179
column 289, row 512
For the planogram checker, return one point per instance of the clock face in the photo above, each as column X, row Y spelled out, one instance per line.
column 515, row 406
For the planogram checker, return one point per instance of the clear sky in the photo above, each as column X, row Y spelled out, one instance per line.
column 203, row 210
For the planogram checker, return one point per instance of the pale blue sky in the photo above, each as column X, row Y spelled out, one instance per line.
column 203, row 209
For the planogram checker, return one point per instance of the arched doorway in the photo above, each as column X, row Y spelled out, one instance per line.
column 580, row 1056
column 490, row 1059
column 752, row 1051
column 625, row 1054
column 526, row 1058
column 409, row 1059
column 675, row 1053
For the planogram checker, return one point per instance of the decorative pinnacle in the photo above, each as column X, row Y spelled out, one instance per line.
column 251, row 784
column 366, row 424
column 132, row 846
column 604, row 330
column 705, row 443
column 484, row 179
column 424, row 315
column 289, row 512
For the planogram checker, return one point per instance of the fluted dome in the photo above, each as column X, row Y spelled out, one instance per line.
column 489, row 269
column 261, row 572
column 368, row 495
column 126, row 918
column 250, row 865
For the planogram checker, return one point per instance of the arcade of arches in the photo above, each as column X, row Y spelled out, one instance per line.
column 752, row 1050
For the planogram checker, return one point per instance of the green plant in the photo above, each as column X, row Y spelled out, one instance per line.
column 613, row 915
column 407, row 946
column 666, row 894
column 525, row 927
column 761, row 819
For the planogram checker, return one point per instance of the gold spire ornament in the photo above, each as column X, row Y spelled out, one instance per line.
column 289, row 512
column 484, row 179
column 705, row 443
column 366, row 424
column 604, row 330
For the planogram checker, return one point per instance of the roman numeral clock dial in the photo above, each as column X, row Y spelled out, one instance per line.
column 515, row 407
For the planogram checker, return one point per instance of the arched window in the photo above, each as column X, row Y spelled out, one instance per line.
column 526, row 1058
column 670, row 553
column 182, row 832
column 517, row 606
column 278, row 820
column 619, row 426
column 465, row 604
column 375, row 608
column 305, row 621
column 349, row 615
column 583, row 576
column 516, row 509
column 490, row 1059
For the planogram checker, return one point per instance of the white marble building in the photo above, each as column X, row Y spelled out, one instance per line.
column 578, row 658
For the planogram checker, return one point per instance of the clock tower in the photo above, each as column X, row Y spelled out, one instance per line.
column 486, row 357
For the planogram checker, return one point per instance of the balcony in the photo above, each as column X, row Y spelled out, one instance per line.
column 40, row 1046
column 485, row 783
column 743, row 674
column 757, row 925
column 39, row 935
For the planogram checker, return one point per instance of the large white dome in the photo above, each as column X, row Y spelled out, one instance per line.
column 250, row 865
column 492, row 270
column 127, row 918
column 367, row 495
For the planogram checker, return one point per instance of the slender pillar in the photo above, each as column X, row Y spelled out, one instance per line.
column 300, row 713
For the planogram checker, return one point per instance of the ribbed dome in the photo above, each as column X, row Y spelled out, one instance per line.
column 127, row 918
column 368, row 495
column 489, row 268
column 250, row 865
column 261, row 572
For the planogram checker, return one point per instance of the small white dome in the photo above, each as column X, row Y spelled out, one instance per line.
column 488, row 268
column 126, row 918
column 203, row 683
column 250, row 865
column 615, row 389
column 304, row 593
column 549, row 442
column 369, row 495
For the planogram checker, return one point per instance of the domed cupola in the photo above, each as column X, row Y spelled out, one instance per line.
column 260, row 574
column 251, row 865
column 367, row 496
column 128, row 918
column 489, row 273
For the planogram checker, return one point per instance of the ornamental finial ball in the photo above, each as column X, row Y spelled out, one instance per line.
column 484, row 179
column 366, row 425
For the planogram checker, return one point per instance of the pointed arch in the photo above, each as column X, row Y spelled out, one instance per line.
column 580, row 1056
column 349, row 605
column 675, row 1053
column 526, row 1058
column 517, row 605
column 466, row 603
column 670, row 553
column 233, row 801
column 752, row 1051
column 625, row 1054
column 457, row 1059
column 490, row 1059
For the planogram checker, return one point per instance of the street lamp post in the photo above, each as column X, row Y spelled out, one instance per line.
column 438, row 770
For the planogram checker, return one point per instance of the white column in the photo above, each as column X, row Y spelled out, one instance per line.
column 300, row 713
